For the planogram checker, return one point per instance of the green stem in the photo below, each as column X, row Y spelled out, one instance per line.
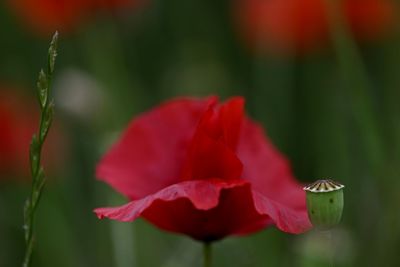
column 207, row 254
column 354, row 73
column 38, row 178
column 122, row 238
column 331, row 247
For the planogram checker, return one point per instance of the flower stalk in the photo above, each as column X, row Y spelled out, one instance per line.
column 355, row 75
column 207, row 254
column 325, row 203
column 38, row 139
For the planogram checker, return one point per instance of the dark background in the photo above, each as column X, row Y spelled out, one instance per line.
column 333, row 111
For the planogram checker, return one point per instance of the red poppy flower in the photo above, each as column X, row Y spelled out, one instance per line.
column 47, row 16
column 116, row 4
column 203, row 169
column 302, row 25
column 19, row 121
column 369, row 19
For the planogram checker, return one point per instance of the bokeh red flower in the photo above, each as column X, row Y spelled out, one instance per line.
column 203, row 169
column 302, row 25
column 19, row 119
column 46, row 16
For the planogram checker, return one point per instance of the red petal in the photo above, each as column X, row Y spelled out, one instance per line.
column 232, row 114
column 150, row 154
column 267, row 169
column 180, row 208
column 289, row 219
column 212, row 151
column 211, row 158
column 209, row 210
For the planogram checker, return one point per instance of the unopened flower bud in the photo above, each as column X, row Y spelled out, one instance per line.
column 324, row 203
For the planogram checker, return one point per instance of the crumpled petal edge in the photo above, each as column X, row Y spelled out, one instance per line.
column 286, row 219
column 194, row 191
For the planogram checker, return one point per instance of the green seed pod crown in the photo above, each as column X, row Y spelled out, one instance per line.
column 324, row 203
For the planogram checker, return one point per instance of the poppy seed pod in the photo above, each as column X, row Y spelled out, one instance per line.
column 324, row 203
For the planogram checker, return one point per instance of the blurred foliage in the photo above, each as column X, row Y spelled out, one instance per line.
column 117, row 65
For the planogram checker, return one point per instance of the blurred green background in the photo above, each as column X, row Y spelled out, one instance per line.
column 334, row 111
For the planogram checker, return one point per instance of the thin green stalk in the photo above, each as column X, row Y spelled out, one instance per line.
column 122, row 239
column 38, row 177
column 110, row 69
column 330, row 246
column 354, row 73
column 207, row 254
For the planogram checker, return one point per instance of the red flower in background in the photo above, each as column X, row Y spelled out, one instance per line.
column 19, row 120
column 370, row 19
column 116, row 4
column 47, row 16
column 302, row 25
column 202, row 169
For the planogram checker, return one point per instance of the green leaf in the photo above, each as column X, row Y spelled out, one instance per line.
column 43, row 88
column 34, row 155
column 40, row 182
column 53, row 53
column 27, row 218
column 47, row 119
